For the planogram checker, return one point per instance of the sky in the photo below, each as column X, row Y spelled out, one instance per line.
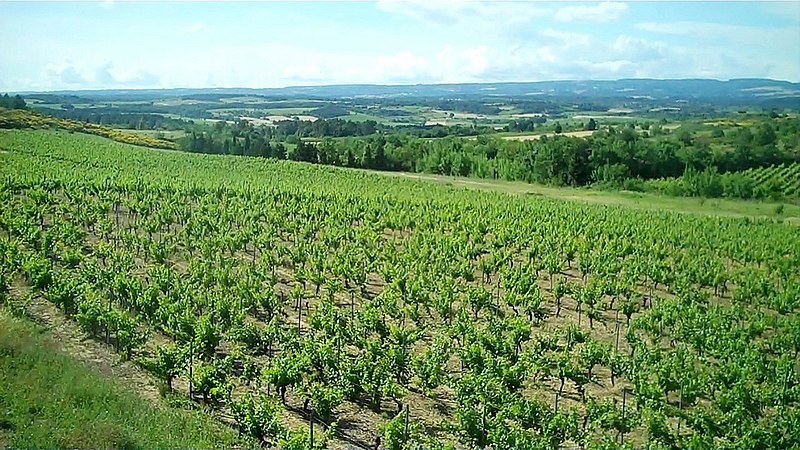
column 133, row 44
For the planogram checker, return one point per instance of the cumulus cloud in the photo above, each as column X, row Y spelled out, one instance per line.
column 546, row 54
column 102, row 76
column 566, row 37
column 603, row 12
column 141, row 78
column 476, row 58
column 403, row 66
column 564, row 55
column 553, row 54
column 638, row 49
column 70, row 75
column 303, row 72
column 107, row 75
column 393, row 41
column 735, row 50
column 454, row 65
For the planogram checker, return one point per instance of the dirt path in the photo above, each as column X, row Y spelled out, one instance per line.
column 531, row 137
column 94, row 354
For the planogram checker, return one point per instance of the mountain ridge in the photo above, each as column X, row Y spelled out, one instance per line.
column 692, row 87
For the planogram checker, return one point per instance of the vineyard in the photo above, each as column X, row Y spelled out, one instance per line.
column 308, row 305
column 784, row 179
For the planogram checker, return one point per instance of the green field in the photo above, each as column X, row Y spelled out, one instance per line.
column 709, row 207
column 288, row 111
column 294, row 297
column 159, row 134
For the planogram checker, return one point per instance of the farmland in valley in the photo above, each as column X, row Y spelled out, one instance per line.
column 629, row 135
column 298, row 302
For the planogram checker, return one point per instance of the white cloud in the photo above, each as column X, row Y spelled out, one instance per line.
column 603, row 12
column 70, row 75
column 548, row 54
column 195, row 27
column 637, row 49
column 740, row 33
column 613, row 69
column 399, row 66
column 542, row 54
column 732, row 51
column 566, row 37
column 476, row 60
column 441, row 12
column 460, row 65
column 303, row 72
column 105, row 75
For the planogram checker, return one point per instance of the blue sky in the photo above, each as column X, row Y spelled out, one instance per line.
column 119, row 44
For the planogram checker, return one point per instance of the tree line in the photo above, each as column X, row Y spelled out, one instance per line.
column 644, row 158
column 614, row 157
column 15, row 102
column 130, row 121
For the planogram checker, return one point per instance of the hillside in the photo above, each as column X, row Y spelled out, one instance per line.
column 287, row 297
column 737, row 91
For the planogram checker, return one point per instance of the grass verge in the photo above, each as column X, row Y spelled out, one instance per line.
column 49, row 400
column 723, row 207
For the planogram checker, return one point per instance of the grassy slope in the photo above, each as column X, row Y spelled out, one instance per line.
column 49, row 400
column 21, row 119
column 692, row 205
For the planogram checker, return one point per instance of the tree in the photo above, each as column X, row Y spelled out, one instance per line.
column 591, row 125
column 15, row 102
column 685, row 136
column 305, row 151
column 765, row 134
column 19, row 102
column 558, row 128
column 368, row 160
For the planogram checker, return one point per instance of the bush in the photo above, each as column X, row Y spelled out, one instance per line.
column 666, row 186
column 611, row 174
column 707, row 183
column 257, row 418
column 737, row 185
column 633, row 184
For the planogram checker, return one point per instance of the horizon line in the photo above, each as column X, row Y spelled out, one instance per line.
column 142, row 89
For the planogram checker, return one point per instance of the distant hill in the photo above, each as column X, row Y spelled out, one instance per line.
column 751, row 91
